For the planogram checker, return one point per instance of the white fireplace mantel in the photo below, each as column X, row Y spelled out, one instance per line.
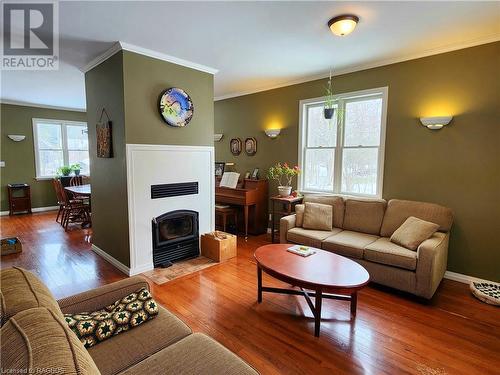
column 164, row 164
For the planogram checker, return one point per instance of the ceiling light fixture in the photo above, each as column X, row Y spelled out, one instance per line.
column 343, row 25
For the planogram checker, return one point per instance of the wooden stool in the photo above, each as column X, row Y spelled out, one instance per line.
column 225, row 212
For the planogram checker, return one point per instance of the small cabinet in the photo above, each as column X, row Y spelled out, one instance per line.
column 19, row 198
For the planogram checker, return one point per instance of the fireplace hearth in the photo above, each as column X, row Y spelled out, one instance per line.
column 175, row 237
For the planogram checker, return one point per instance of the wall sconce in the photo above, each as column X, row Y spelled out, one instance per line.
column 218, row 137
column 16, row 138
column 435, row 123
column 272, row 133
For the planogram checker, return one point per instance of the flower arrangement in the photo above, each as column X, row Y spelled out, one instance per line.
column 283, row 174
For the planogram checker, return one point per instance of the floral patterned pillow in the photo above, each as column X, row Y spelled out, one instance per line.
column 124, row 314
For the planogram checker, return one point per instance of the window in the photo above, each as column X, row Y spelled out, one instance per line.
column 59, row 143
column 345, row 154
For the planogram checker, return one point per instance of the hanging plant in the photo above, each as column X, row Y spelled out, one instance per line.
column 329, row 107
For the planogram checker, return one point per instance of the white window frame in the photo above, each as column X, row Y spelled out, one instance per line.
column 339, row 99
column 63, row 124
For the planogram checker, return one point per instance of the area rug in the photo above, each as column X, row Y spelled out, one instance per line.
column 179, row 269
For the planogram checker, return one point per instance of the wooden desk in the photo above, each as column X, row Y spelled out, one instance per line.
column 287, row 207
column 252, row 197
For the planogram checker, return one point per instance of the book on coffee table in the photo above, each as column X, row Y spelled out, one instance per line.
column 301, row 250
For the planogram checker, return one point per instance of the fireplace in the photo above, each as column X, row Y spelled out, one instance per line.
column 175, row 237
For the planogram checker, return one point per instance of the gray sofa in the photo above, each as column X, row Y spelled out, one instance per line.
column 361, row 229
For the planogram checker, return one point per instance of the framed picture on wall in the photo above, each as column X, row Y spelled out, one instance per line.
column 251, row 146
column 235, row 146
column 219, row 169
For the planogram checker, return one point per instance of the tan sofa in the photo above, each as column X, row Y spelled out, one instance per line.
column 35, row 338
column 361, row 229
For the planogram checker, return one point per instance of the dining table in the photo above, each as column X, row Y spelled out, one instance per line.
column 81, row 191
column 84, row 190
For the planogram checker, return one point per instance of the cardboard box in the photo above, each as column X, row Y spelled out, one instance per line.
column 219, row 246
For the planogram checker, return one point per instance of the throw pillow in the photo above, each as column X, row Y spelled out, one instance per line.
column 413, row 232
column 299, row 215
column 126, row 313
column 318, row 216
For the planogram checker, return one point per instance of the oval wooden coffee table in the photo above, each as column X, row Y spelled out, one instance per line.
column 321, row 275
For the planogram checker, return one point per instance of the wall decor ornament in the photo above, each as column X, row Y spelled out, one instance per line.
column 104, row 136
column 251, row 146
column 176, row 107
column 235, row 146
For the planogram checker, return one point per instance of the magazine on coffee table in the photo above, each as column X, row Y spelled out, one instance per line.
column 303, row 251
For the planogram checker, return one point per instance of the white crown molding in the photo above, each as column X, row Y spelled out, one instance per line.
column 168, row 58
column 102, row 57
column 28, row 104
column 118, row 46
column 376, row 64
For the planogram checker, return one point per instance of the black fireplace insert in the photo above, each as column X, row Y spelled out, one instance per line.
column 175, row 237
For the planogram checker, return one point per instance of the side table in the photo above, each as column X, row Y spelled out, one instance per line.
column 19, row 198
column 285, row 206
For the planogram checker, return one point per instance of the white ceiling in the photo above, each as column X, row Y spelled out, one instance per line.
column 254, row 45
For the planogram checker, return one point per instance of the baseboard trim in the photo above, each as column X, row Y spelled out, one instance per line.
column 466, row 279
column 141, row 269
column 111, row 260
column 36, row 209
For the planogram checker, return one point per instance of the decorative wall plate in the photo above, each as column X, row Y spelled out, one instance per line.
column 176, row 107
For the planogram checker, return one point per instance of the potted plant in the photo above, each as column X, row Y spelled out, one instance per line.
column 329, row 100
column 283, row 174
column 64, row 171
column 76, row 169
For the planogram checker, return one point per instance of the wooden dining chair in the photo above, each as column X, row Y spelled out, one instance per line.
column 60, row 198
column 76, row 181
column 74, row 211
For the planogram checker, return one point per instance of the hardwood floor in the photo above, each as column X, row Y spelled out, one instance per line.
column 394, row 333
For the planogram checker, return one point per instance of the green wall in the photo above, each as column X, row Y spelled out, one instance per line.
column 129, row 85
column 104, row 89
column 145, row 79
column 457, row 166
column 19, row 157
